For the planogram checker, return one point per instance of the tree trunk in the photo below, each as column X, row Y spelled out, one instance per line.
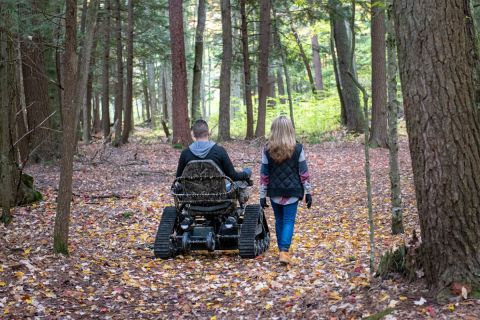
column 198, row 64
column 35, row 81
column 181, row 131
column 87, row 112
column 119, row 75
column 246, row 70
column 152, row 94
column 338, row 81
column 127, row 126
column 6, row 164
column 379, row 135
column 225, row 72
column 75, row 87
column 436, row 51
column 106, row 73
column 165, row 113
column 280, row 83
column 302, row 51
column 62, row 218
column 316, row 63
column 393, row 106
column 96, row 114
column 262, row 77
column 349, row 91
column 146, row 95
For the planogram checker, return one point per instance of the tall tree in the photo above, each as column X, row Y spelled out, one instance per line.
column 225, row 72
column 6, row 121
column 246, row 69
column 152, row 94
column 106, row 72
column 393, row 107
column 117, row 118
column 378, row 137
column 344, row 50
column 303, row 55
column 317, row 63
column 35, row 83
column 437, row 60
column 75, row 87
column 146, row 96
column 262, row 73
column 181, row 131
column 127, row 126
column 198, row 64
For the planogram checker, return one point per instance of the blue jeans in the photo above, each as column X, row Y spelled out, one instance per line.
column 284, row 223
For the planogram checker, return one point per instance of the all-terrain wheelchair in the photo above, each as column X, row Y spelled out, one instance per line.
column 210, row 213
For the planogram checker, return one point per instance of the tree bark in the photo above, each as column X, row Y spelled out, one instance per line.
column 246, row 70
column 379, row 135
column 62, row 218
column 96, row 113
column 181, row 130
column 317, row 63
column 6, row 164
column 75, row 87
column 349, row 91
column 106, row 73
column 35, row 82
column 437, row 60
column 343, row 113
column 393, row 106
column 262, row 73
column 225, row 72
column 127, row 126
column 146, row 94
column 119, row 75
column 198, row 64
column 152, row 94
column 302, row 51
column 87, row 111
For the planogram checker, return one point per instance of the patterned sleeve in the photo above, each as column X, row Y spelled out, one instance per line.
column 264, row 175
column 303, row 171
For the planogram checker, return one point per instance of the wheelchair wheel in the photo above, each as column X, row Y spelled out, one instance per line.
column 254, row 233
column 164, row 246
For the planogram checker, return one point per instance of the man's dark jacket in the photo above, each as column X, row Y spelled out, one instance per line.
column 208, row 150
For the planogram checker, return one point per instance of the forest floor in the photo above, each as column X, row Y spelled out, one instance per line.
column 118, row 199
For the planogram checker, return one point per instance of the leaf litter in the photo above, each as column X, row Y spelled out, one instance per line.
column 117, row 205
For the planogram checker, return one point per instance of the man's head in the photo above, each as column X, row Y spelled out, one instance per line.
column 200, row 129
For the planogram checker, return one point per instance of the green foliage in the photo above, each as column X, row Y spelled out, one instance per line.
column 313, row 116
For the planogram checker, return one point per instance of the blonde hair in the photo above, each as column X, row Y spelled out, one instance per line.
column 281, row 142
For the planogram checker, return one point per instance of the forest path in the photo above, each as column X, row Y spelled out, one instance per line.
column 118, row 202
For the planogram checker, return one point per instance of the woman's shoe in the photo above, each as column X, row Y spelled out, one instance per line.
column 284, row 257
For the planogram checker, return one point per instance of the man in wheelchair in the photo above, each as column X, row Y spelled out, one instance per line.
column 211, row 210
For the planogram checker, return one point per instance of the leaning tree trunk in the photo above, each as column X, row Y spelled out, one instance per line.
column 152, row 94
column 119, row 75
column 303, row 55
column 225, row 72
column 198, row 64
column 379, row 135
column 263, row 53
column 75, row 87
column 181, row 132
column 127, row 126
column 349, row 91
column 106, row 73
column 246, row 70
column 317, row 63
column 437, row 59
column 146, row 96
column 393, row 106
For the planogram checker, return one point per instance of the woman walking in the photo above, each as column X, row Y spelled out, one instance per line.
column 284, row 178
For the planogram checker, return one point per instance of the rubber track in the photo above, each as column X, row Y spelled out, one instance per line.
column 246, row 244
column 162, row 248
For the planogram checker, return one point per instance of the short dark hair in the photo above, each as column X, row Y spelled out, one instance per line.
column 200, row 129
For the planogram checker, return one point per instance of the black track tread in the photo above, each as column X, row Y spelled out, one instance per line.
column 161, row 247
column 246, row 243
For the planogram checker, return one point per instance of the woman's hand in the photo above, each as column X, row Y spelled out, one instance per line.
column 308, row 200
